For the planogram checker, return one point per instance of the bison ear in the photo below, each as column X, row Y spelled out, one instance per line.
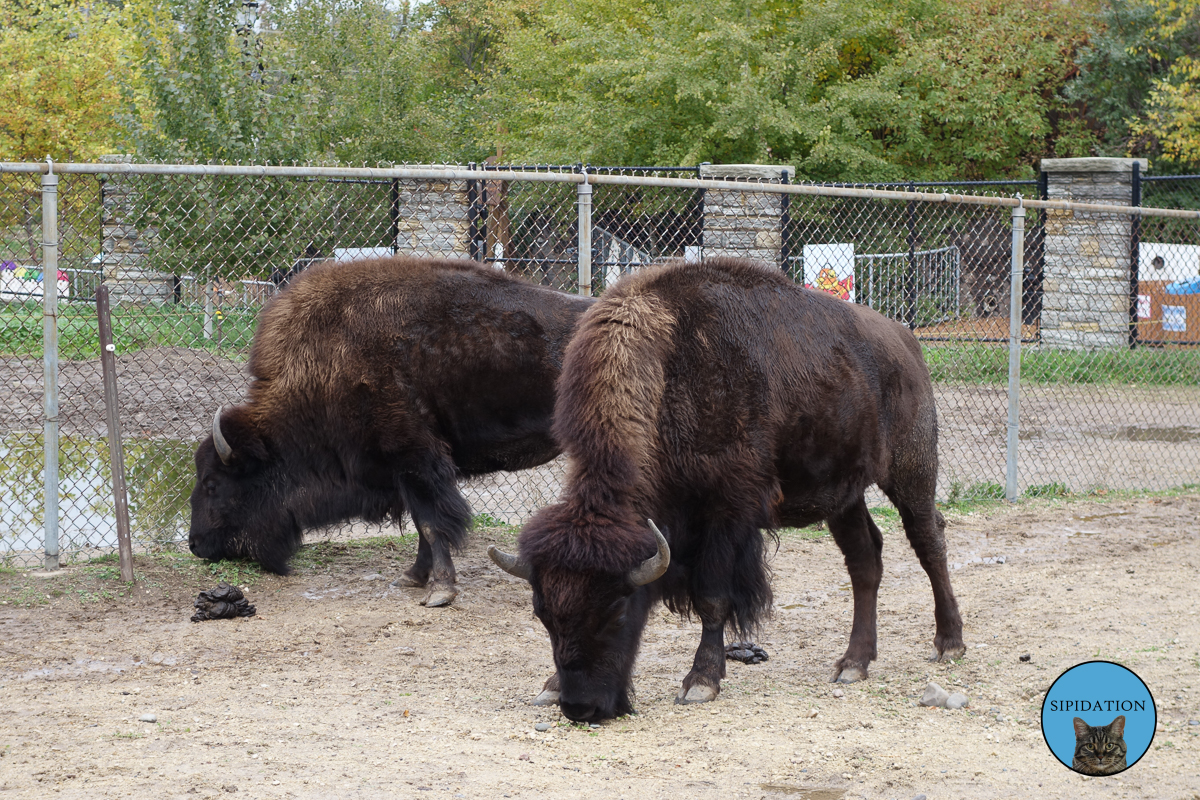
column 235, row 437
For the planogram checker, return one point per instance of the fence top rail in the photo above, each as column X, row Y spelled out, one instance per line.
column 1165, row 178
column 459, row 174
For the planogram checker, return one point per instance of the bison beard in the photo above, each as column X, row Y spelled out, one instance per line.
column 376, row 386
column 722, row 400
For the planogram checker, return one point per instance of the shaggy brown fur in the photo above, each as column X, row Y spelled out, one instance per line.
column 376, row 385
column 721, row 400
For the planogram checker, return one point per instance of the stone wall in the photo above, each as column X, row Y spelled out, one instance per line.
column 126, row 248
column 745, row 224
column 1085, row 304
column 433, row 219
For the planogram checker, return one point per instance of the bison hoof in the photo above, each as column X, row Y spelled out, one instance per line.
column 407, row 581
column 439, row 596
column 548, row 697
column 949, row 653
column 850, row 674
column 697, row 694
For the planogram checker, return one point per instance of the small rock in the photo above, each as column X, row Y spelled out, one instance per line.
column 1194, row 722
column 542, row 726
column 524, row 756
column 957, row 700
column 919, row 797
column 593, row 725
column 147, row 718
column 1026, row 657
column 812, row 714
column 934, row 696
column 838, row 693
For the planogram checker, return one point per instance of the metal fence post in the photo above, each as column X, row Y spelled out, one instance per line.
column 1014, row 350
column 910, row 277
column 785, row 225
column 116, row 450
column 584, row 202
column 1135, row 241
column 50, row 360
column 474, row 243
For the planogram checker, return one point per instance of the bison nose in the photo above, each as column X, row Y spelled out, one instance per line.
column 579, row 712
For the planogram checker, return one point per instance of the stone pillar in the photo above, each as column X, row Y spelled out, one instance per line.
column 745, row 224
column 432, row 219
column 127, row 250
column 1085, row 302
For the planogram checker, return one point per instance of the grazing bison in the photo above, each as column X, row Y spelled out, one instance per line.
column 718, row 400
column 376, row 385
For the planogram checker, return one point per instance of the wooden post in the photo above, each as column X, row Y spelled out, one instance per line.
column 116, row 453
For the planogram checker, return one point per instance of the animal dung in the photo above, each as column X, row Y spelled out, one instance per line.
column 746, row 652
column 223, row 602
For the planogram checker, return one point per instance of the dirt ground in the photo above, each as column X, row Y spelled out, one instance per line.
column 343, row 686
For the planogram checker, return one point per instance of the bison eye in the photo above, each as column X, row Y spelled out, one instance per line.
column 210, row 488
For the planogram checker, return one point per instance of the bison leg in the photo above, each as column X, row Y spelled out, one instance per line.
column 418, row 573
column 862, row 546
column 441, row 515
column 703, row 683
column 926, row 531
column 442, row 577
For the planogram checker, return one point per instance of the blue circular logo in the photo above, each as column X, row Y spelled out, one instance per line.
column 1098, row 718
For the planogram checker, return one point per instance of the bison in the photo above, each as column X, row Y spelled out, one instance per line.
column 377, row 385
column 718, row 400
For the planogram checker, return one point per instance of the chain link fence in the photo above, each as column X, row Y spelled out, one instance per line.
column 1107, row 323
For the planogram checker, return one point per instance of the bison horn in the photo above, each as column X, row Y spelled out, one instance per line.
column 653, row 567
column 224, row 451
column 509, row 563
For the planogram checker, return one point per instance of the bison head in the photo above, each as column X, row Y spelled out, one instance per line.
column 594, row 615
column 235, row 508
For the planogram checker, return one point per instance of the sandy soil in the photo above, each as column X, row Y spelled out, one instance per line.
column 342, row 686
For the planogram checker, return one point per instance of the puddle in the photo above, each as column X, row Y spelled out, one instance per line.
column 74, row 670
column 159, row 474
column 1139, row 433
column 1090, row 517
column 803, row 793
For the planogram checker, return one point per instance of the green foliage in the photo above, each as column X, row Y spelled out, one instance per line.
column 58, row 61
column 961, row 494
column 1116, row 70
column 235, row 572
column 1055, row 489
column 910, row 89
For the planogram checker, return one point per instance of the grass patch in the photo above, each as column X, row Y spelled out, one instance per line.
column 375, row 548
column 134, row 328
column 235, row 572
column 981, row 363
column 1048, row 490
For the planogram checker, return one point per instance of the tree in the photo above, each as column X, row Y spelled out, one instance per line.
column 875, row 90
column 60, row 66
column 1171, row 123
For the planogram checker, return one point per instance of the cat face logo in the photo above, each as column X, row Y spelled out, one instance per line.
column 1098, row 718
column 828, row 282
